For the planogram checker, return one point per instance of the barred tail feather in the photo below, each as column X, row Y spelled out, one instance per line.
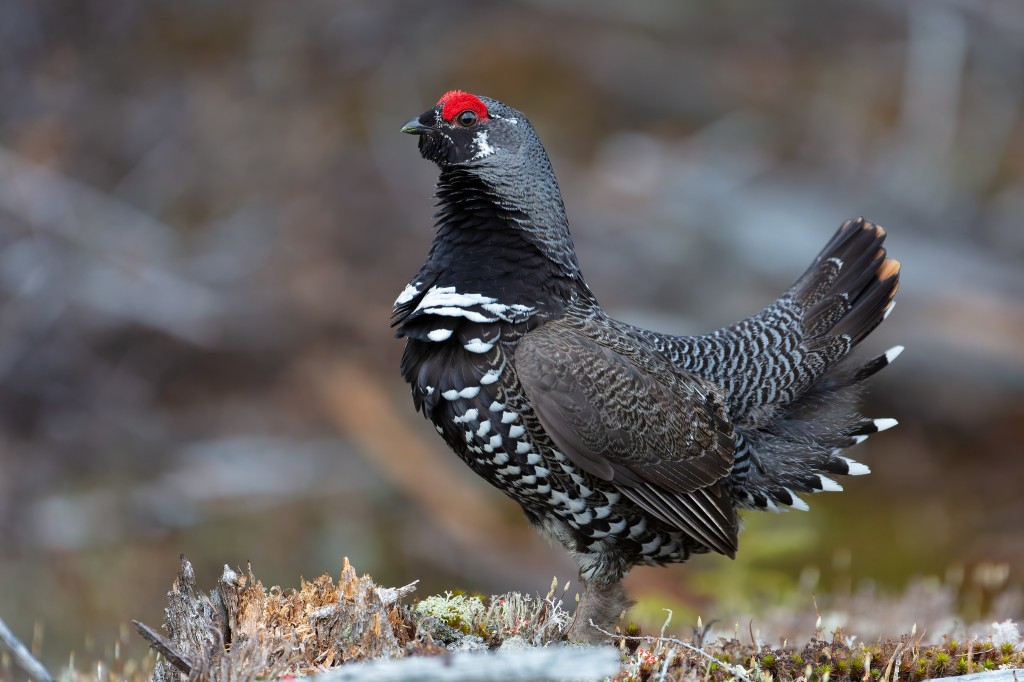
column 851, row 284
column 843, row 296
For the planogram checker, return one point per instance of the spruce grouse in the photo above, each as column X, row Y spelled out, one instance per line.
column 626, row 446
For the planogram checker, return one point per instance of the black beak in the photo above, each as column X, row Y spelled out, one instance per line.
column 416, row 127
column 422, row 124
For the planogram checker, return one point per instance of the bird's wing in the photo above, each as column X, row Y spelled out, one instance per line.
column 627, row 417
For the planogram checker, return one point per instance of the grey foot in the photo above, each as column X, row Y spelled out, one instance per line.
column 602, row 603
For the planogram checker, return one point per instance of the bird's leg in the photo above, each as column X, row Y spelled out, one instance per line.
column 603, row 602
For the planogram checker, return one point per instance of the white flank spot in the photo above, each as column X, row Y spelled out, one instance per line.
column 439, row 429
column 407, row 294
column 893, row 353
column 856, row 468
column 495, row 406
column 501, row 310
column 522, row 447
column 508, row 417
column 450, row 394
column 649, row 547
column 481, row 346
column 485, row 428
column 455, row 311
column 888, row 311
column 516, row 431
column 470, row 392
column 495, row 440
column 528, row 480
column 439, row 334
column 447, row 296
column 430, row 390
column 489, row 377
column 544, row 489
column 883, row 424
column 583, row 518
column 471, row 415
column 483, row 147
column 501, row 458
column 532, row 458
column 857, row 440
column 797, row 502
column 617, row 527
column 541, row 471
column 510, row 470
column 828, row 485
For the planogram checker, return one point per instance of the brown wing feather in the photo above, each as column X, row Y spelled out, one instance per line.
column 626, row 416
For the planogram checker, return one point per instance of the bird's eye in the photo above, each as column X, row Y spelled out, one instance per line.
column 466, row 118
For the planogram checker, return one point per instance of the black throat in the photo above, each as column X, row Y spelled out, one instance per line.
column 485, row 245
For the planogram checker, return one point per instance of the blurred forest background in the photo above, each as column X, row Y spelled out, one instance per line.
column 207, row 210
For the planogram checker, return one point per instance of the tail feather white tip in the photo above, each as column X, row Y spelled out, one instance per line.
column 888, row 311
column 857, row 440
column 828, row 485
column 884, row 424
column 855, row 467
column 797, row 503
column 893, row 353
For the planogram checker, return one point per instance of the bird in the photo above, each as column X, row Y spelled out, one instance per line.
column 625, row 446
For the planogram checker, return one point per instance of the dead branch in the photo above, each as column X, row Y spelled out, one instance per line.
column 25, row 660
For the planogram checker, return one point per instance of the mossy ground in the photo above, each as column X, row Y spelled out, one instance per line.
column 277, row 633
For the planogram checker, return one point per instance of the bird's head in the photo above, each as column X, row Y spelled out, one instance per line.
column 466, row 130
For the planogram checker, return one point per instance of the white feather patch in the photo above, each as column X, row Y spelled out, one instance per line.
column 408, row 293
column 478, row 346
column 483, row 147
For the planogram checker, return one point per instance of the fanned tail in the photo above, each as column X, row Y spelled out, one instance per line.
column 843, row 296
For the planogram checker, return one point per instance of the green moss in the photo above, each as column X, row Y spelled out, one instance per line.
column 457, row 611
column 962, row 668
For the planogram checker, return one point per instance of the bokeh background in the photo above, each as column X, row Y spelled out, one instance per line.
column 206, row 211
